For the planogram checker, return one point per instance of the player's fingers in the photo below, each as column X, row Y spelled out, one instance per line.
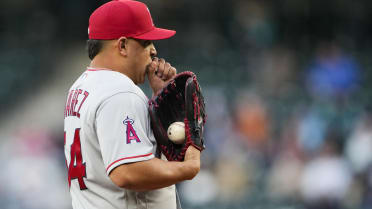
column 172, row 72
column 161, row 67
column 152, row 68
column 167, row 67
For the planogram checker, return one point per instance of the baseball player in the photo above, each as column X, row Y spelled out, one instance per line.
column 110, row 148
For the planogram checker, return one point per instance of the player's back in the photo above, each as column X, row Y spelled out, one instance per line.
column 88, row 169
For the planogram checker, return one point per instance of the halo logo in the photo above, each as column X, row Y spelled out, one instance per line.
column 131, row 133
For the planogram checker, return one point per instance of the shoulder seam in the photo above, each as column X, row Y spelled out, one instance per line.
column 124, row 92
column 116, row 93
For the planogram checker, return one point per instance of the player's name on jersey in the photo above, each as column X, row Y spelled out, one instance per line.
column 75, row 101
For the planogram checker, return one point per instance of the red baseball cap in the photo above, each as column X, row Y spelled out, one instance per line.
column 125, row 18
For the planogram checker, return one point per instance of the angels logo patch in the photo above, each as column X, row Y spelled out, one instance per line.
column 131, row 133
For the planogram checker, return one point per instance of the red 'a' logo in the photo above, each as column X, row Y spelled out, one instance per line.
column 131, row 133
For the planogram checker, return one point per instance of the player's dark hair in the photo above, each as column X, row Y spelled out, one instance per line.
column 94, row 47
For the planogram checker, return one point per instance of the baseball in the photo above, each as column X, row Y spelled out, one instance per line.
column 176, row 132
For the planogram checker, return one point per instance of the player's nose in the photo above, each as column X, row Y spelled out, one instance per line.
column 153, row 51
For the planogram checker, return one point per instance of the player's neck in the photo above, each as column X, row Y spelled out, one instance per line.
column 104, row 62
column 101, row 61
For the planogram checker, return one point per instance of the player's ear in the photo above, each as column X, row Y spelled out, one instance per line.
column 122, row 44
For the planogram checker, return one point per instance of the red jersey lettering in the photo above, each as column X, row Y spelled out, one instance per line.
column 73, row 102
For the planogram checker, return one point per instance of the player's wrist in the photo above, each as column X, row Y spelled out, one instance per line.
column 155, row 91
column 192, row 160
column 192, row 153
column 193, row 168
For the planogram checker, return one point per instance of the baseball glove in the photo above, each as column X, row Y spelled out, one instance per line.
column 180, row 100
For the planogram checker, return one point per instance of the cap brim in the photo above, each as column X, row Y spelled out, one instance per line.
column 156, row 34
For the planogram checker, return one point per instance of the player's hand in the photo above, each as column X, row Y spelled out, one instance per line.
column 192, row 154
column 192, row 158
column 159, row 73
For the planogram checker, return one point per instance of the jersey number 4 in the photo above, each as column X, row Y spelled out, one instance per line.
column 76, row 169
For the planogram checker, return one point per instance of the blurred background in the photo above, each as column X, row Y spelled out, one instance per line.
column 288, row 93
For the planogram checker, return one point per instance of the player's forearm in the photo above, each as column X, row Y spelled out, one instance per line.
column 187, row 170
column 168, row 174
column 154, row 174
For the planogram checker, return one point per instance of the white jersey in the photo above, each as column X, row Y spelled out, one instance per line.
column 106, row 125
